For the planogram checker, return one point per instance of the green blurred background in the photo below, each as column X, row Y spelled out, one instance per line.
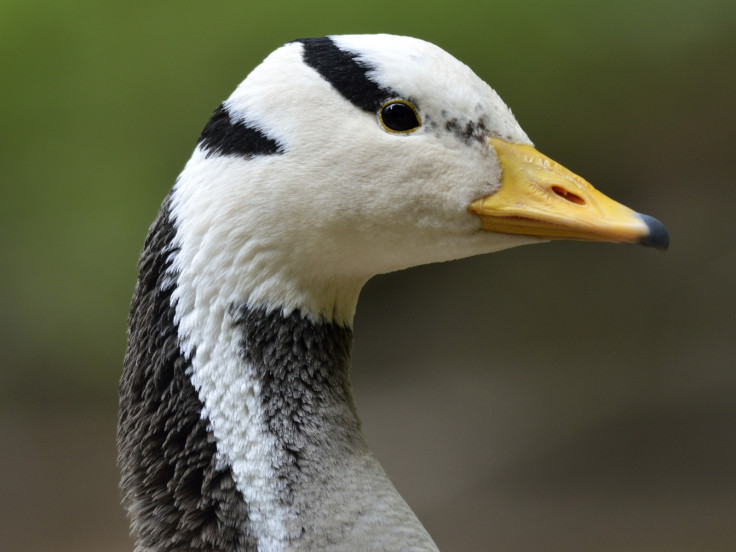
column 560, row 397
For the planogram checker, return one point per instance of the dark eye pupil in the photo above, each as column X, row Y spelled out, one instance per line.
column 399, row 116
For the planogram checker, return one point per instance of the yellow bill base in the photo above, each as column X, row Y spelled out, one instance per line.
column 541, row 198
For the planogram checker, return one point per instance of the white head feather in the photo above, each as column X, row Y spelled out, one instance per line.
column 346, row 199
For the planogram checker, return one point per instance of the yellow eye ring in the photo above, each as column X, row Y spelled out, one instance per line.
column 399, row 116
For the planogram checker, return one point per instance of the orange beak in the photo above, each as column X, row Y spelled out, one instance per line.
column 541, row 198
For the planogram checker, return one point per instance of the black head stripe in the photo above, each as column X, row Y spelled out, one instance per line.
column 223, row 136
column 346, row 73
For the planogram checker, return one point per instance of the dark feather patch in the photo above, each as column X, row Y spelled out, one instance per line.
column 223, row 136
column 306, row 398
column 346, row 73
column 465, row 129
column 176, row 496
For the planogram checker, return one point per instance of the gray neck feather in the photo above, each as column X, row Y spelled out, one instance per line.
column 307, row 405
column 178, row 492
column 327, row 477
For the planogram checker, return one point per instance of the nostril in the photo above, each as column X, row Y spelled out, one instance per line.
column 568, row 195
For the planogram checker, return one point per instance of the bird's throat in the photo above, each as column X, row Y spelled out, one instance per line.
column 283, row 417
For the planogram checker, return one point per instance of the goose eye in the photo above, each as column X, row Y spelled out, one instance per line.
column 399, row 116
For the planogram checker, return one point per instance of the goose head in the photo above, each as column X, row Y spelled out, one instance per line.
column 336, row 159
column 373, row 153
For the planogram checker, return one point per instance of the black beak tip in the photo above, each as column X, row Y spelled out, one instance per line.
column 658, row 236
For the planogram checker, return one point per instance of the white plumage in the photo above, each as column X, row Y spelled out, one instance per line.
column 237, row 427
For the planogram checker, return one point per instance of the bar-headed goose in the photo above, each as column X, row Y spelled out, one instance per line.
column 336, row 159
